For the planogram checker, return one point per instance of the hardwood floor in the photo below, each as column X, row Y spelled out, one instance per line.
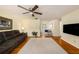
column 66, row 46
column 16, row 50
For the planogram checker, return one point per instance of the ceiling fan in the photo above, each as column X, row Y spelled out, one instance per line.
column 31, row 10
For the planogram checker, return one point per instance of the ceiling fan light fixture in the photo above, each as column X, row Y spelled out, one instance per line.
column 31, row 13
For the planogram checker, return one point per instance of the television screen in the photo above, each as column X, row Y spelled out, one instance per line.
column 71, row 29
column 46, row 30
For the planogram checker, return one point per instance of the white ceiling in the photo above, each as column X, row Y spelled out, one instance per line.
column 50, row 12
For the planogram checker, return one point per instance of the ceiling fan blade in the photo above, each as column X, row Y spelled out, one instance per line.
column 34, row 8
column 38, row 13
column 22, row 7
column 25, row 12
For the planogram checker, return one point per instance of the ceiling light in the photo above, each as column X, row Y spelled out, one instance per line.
column 31, row 13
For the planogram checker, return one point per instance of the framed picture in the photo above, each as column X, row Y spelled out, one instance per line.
column 5, row 23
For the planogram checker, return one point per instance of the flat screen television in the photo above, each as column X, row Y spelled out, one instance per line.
column 71, row 29
column 46, row 30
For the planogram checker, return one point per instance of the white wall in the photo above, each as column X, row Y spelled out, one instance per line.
column 29, row 26
column 70, row 18
column 19, row 20
column 56, row 27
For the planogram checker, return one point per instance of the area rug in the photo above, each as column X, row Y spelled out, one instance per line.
column 42, row 46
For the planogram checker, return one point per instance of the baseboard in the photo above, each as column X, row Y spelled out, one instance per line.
column 34, row 37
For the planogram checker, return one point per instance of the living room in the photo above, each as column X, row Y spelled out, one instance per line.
column 49, row 24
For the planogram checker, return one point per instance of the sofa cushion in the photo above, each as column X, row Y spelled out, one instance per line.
column 7, row 45
column 8, row 34
column 20, row 38
column 16, row 32
column 2, row 49
column 2, row 38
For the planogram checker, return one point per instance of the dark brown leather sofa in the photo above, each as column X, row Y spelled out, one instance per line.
column 10, row 40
